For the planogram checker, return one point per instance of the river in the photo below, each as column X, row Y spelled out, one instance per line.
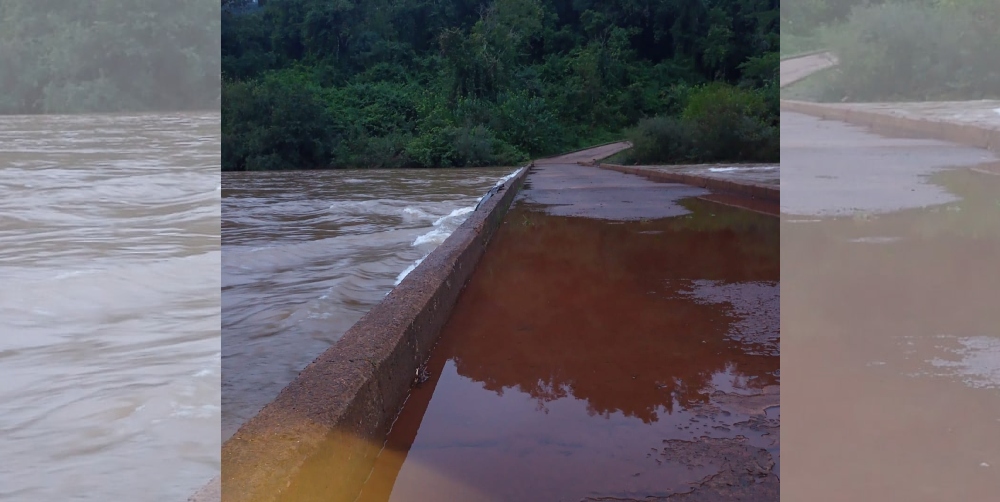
column 307, row 253
column 109, row 306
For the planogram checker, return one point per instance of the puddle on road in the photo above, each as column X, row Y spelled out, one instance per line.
column 590, row 358
column 892, row 349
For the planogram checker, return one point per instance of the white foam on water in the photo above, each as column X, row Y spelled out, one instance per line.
column 731, row 169
column 436, row 237
column 508, row 177
column 402, row 275
column 442, row 227
column 415, row 213
column 462, row 211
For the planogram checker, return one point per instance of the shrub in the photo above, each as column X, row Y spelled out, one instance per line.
column 916, row 52
column 720, row 123
column 474, row 146
column 660, row 139
column 279, row 122
column 731, row 124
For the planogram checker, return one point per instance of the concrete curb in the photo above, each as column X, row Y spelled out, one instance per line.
column 746, row 189
column 591, row 147
column 969, row 135
column 803, row 55
column 334, row 416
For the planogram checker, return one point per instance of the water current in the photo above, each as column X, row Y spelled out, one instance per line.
column 307, row 253
column 109, row 306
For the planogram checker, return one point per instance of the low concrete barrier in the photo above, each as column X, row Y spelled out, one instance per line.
column 754, row 190
column 800, row 55
column 964, row 134
column 319, row 438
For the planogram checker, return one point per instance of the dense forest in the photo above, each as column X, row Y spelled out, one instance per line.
column 58, row 56
column 440, row 83
column 898, row 49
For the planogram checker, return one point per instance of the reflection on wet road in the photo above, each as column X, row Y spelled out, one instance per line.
column 892, row 352
column 596, row 353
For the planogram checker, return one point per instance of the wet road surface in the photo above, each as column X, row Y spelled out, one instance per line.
column 891, row 361
column 619, row 338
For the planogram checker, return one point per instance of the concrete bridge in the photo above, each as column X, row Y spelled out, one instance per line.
column 889, row 242
column 583, row 239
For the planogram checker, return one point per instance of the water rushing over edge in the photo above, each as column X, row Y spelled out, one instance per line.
column 307, row 253
column 109, row 306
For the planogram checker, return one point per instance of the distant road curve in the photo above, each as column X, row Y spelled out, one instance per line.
column 797, row 68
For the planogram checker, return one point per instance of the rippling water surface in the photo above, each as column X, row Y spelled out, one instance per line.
column 307, row 253
column 109, row 306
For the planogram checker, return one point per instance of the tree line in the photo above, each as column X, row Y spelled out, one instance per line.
column 440, row 83
column 899, row 50
column 59, row 56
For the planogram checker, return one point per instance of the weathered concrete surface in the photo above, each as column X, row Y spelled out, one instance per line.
column 836, row 169
column 872, row 307
column 971, row 123
column 754, row 181
column 211, row 492
column 342, row 404
column 643, row 321
column 586, row 155
column 575, row 190
column 797, row 68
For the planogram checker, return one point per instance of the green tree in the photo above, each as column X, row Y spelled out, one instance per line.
column 109, row 55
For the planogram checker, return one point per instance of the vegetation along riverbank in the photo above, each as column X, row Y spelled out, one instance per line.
column 447, row 83
column 896, row 50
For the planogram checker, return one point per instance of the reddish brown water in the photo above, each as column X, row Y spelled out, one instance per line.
column 602, row 355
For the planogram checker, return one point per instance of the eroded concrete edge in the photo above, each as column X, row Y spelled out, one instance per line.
column 746, row 189
column 350, row 394
column 879, row 122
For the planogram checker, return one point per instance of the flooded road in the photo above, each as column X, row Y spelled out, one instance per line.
column 307, row 253
column 619, row 338
column 109, row 306
column 891, row 355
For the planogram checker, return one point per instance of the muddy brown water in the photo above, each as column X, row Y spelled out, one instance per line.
column 894, row 329
column 891, row 355
column 109, row 306
column 597, row 353
column 307, row 253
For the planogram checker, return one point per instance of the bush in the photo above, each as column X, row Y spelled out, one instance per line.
column 475, row 146
column 906, row 51
column 279, row 122
column 730, row 124
column 720, row 123
column 660, row 139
